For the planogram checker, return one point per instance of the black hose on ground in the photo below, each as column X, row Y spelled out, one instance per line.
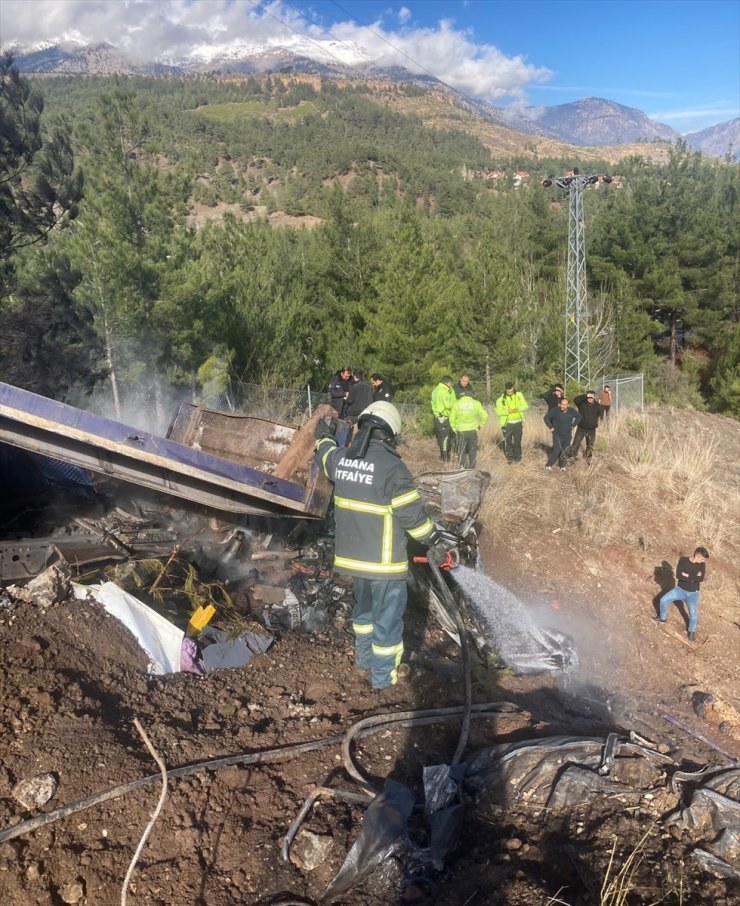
column 369, row 725
column 268, row 756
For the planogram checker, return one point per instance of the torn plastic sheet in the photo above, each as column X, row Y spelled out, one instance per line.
column 383, row 830
column 443, row 808
column 560, row 772
column 160, row 639
column 712, row 816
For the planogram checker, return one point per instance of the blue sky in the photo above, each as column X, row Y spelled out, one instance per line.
column 677, row 60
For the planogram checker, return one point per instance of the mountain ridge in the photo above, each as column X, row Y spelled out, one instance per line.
column 589, row 122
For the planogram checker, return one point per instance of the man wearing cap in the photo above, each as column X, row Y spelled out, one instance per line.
column 382, row 389
column 510, row 409
column 376, row 504
column 443, row 399
column 591, row 413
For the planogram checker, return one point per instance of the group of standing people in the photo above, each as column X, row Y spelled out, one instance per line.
column 458, row 416
column 561, row 418
column 350, row 394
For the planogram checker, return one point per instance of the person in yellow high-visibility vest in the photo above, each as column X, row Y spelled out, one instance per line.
column 510, row 409
column 467, row 417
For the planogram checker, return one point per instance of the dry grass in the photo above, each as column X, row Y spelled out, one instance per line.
column 618, row 887
column 649, row 472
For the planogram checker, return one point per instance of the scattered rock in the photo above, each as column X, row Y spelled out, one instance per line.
column 72, row 893
column 309, row 850
column 35, row 792
column 54, row 584
column 513, row 844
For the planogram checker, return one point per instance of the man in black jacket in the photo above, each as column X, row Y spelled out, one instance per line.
column 464, row 385
column 690, row 573
column 591, row 413
column 553, row 396
column 382, row 389
column 358, row 399
column 339, row 388
column 560, row 421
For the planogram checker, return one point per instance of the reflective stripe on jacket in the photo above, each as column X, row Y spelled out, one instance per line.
column 443, row 399
column 467, row 414
column 375, row 504
column 504, row 406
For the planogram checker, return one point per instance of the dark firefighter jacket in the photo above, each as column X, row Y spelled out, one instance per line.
column 590, row 412
column 376, row 503
column 563, row 422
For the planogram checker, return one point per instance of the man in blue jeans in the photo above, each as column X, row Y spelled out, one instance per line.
column 690, row 573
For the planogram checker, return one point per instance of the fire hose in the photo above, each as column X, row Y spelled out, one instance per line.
column 451, row 562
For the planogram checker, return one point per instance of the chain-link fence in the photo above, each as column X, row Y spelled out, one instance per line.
column 284, row 404
column 627, row 391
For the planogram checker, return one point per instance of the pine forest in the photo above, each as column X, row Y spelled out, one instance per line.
column 184, row 232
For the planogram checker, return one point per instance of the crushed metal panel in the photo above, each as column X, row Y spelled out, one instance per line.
column 244, row 439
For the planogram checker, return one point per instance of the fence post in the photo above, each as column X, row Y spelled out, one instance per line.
column 310, row 408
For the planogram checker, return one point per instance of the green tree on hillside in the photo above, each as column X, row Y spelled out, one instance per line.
column 122, row 240
column 39, row 186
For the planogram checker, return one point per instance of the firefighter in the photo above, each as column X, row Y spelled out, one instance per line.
column 375, row 505
column 443, row 399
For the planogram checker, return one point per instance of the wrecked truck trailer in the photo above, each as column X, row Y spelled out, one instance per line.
column 149, row 492
column 275, row 472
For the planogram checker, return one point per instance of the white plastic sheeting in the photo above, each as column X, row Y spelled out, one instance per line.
column 159, row 638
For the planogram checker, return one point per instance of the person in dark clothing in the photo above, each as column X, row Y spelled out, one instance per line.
column 339, row 388
column 553, row 396
column 690, row 573
column 382, row 389
column 591, row 413
column 376, row 506
column 464, row 384
column 560, row 421
column 358, row 399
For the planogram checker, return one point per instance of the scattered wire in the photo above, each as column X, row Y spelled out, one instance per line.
column 155, row 813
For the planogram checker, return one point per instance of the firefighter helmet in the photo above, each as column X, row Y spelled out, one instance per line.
column 384, row 412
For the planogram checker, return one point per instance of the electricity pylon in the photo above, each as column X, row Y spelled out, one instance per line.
column 577, row 365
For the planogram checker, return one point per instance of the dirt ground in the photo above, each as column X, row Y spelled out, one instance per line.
column 72, row 680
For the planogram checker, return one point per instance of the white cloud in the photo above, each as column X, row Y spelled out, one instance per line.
column 696, row 113
column 167, row 29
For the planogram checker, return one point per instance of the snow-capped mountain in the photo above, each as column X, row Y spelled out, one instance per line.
column 588, row 122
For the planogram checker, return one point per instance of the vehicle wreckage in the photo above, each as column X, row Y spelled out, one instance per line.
column 229, row 493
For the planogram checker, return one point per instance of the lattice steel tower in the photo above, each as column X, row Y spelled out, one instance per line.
column 577, row 365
